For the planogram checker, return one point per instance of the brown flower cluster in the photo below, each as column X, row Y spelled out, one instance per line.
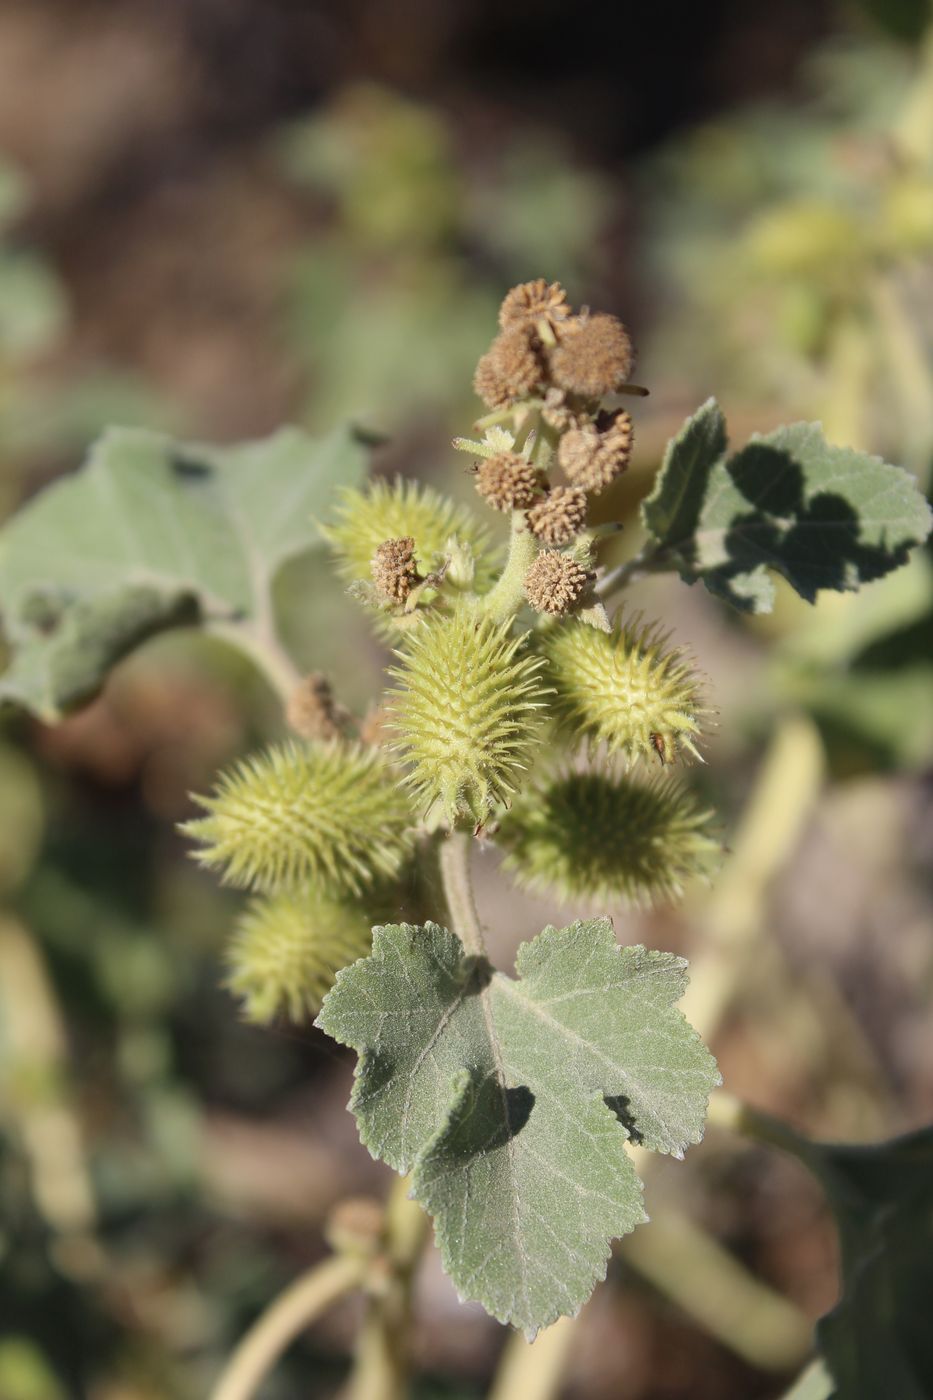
column 544, row 346
column 594, row 454
column 554, row 366
column 560, row 517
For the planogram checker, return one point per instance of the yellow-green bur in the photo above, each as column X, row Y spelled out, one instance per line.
column 329, row 815
column 468, row 711
column 286, row 951
column 626, row 689
column 511, row 1101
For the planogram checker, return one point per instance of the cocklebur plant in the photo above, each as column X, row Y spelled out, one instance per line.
column 524, row 709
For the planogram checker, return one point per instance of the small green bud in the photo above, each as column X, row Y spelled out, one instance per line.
column 328, row 815
column 627, row 689
column 608, row 837
column 287, row 950
column 468, row 710
column 365, row 519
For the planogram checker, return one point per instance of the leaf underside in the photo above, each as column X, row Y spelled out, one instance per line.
column 823, row 516
column 511, row 1102
column 153, row 534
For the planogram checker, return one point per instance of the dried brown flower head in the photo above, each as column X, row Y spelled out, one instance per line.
column 594, row 356
column 508, row 482
column 593, row 455
column 531, row 302
column 394, row 570
column 511, row 368
column 557, row 519
column 312, row 712
column 555, row 583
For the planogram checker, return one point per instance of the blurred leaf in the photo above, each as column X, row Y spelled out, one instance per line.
column 540, row 212
column 21, row 817
column 891, row 711
column 153, row 534
column 512, row 1101
column 877, row 1341
column 814, row 1384
column 24, row 1372
column 823, row 516
column 386, row 347
column 12, row 194
column 32, row 308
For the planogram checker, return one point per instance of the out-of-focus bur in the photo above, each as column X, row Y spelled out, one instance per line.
column 365, row 520
column 286, row 951
column 607, row 836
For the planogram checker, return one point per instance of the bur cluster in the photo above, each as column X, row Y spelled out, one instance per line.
column 517, row 707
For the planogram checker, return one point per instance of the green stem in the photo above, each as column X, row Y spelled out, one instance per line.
column 507, row 595
column 382, row 1365
column 692, row 1269
column 309, row 1296
column 649, row 560
column 458, row 891
column 534, row 1372
column 726, row 1111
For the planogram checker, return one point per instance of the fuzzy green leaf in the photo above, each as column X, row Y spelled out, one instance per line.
column 877, row 1340
column 823, row 516
column 511, row 1101
column 153, row 534
column 672, row 512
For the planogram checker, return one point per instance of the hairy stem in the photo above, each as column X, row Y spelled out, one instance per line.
column 382, row 1365
column 458, row 891
column 648, row 560
column 309, row 1296
column 505, row 598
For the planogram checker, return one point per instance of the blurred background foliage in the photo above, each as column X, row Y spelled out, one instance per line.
column 218, row 217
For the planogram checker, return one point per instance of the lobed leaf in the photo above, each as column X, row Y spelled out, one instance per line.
column 153, row 534
column 821, row 515
column 511, row 1102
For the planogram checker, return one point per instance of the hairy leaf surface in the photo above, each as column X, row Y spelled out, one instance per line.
column 511, row 1101
column 152, row 534
column 823, row 516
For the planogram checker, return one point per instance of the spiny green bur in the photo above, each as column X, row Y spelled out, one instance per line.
column 511, row 1102
column 327, row 814
column 468, row 713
